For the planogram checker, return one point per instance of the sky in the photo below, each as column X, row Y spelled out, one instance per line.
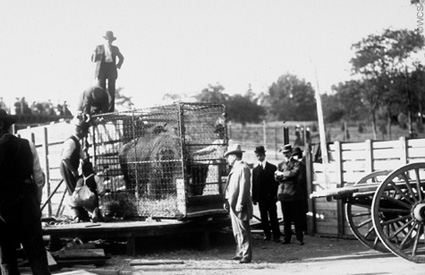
column 182, row 46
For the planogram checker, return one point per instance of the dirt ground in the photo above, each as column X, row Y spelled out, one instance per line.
column 267, row 255
column 182, row 255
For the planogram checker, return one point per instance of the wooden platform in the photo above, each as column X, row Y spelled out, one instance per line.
column 133, row 229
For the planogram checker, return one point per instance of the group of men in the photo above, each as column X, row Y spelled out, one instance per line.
column 22, row 179
column 285, row 183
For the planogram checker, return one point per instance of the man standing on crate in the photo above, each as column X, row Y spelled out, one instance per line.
column 238, row 202
column 105, row 56
column 264, row 188
column 21, row 185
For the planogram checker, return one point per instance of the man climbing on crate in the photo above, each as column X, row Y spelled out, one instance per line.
column 94, row 100
column 21, row 186
column 71, row 157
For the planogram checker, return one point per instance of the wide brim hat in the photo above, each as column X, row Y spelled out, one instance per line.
column 234, row 148
column 260, row 150
column 9, row 120
column 110, row 35
column 286, row 148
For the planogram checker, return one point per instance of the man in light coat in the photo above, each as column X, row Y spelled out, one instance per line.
column 238, row 202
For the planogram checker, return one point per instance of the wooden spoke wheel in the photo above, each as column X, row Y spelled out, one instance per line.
column 359, row 215
column 398, row 212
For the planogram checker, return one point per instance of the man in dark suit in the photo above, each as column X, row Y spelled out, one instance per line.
column 21, row 185
column 291, row 195
column 105, row 57
column 264, row 188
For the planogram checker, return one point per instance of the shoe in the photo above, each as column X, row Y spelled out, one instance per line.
column 97, row 215
column 300, row 242
column 286, row 242
column 237, row 258
column 266, row 238
column 276, row 240
column 244, row 261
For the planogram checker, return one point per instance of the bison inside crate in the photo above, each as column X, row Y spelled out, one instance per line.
column 150, row 158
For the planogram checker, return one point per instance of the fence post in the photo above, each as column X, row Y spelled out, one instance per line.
column 311, row 223
column 340, row 178
column 47, row 167
column 403, row 150
column 275, row 143
column 264, row 134
column 369, row 156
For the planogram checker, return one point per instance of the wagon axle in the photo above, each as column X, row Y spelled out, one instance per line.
column 418, row 212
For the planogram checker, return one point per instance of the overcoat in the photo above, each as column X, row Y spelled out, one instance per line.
column 238, row 190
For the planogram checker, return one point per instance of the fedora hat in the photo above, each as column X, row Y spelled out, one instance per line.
column 286, row 148
column 297, row 152
column 234, row 148
column 260, row 150
column 9, row 120
column 109, row 35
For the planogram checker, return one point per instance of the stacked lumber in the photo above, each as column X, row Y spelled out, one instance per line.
column 81, row 254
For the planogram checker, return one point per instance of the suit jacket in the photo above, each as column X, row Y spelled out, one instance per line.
column 264, row 185
column 238, row 190
column 99, row 57
column 290, row 179
column 93, row 100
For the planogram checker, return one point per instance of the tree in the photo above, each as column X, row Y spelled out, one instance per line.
column 292, row 99
column 378, row 60
column 345, row 102
column 239, row 108
column 213, row 93
column 122, row 101
column 243, row 109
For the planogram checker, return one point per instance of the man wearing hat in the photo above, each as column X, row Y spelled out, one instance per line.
column 297, row 153
column 264, row 189
column 71, row 156
column 238, row 202
column 106, row 56
column 21, row 186
column 93, row 100
column 290, row 195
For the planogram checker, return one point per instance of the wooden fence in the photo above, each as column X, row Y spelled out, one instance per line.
column 348, row 163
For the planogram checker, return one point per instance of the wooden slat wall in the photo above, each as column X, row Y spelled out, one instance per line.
column 348, row 163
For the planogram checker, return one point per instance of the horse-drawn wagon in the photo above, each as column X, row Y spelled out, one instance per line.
column 386, row 210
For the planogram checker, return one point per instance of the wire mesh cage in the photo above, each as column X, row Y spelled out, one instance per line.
column 161, row 162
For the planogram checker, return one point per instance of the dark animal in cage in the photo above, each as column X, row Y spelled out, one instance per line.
column 152, row 163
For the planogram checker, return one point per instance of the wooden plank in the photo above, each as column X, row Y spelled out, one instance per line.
column 386, row 144
column 154, row 262
column 353, row 146
column 81, row 253
column 386, row 164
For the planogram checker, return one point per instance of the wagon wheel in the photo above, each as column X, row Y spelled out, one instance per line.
column 359, row 216
column 398, row 212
